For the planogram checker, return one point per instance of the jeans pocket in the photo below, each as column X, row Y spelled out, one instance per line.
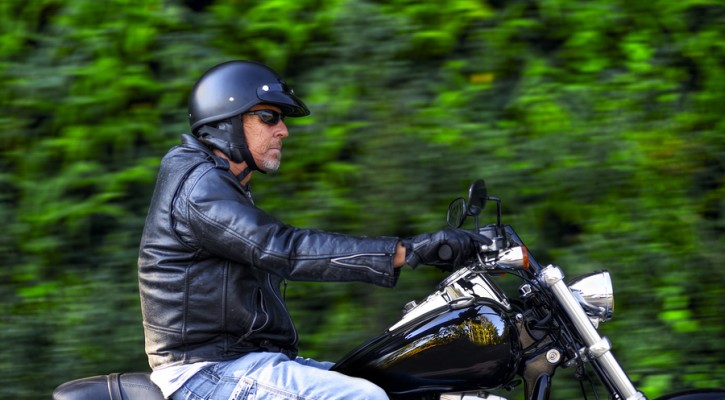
column 244, row 390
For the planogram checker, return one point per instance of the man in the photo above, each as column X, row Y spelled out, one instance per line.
column 211, row 262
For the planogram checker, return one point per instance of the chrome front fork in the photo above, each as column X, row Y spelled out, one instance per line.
column 598, row 348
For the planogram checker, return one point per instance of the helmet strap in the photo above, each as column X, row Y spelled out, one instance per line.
column 229, row 144
column 243, row 148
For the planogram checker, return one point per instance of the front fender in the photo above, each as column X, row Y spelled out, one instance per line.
column 695, row 394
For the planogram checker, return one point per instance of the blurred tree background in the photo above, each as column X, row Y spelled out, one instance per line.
column 599, row 124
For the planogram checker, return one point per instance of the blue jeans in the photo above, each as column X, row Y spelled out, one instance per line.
column 267, row 376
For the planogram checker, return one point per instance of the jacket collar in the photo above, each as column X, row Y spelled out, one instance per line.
column 192, row 142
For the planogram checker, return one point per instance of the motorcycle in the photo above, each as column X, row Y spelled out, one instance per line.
column 469, row 339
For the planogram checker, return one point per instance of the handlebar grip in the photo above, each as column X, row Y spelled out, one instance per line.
column 445, row 252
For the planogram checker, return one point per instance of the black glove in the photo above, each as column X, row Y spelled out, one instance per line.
column 445, row 249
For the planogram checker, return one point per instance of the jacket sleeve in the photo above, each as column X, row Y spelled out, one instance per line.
column 225, row 224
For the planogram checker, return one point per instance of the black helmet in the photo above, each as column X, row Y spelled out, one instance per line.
column 230, row 89
column 233, row 87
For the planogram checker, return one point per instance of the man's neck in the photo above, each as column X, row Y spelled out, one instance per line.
column 236, row 168
column 246, row 179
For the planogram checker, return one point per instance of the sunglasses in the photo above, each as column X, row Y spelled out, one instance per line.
column 269, row 117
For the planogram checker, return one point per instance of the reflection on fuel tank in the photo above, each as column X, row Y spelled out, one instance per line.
column 479, row 331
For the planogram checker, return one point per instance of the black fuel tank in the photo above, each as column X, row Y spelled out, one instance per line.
column 470, row 348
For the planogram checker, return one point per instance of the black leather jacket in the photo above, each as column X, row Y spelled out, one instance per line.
column 211, row 263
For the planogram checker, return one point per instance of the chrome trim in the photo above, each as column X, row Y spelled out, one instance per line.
column 553, row 356
column 550, row 275
column 598, row 349
column 460, row 289
column 525, row 290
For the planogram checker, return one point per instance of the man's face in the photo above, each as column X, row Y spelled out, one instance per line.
column 265, row 140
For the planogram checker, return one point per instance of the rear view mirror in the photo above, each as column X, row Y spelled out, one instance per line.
column 456, row 213
column 458, row 210
column 477, row 195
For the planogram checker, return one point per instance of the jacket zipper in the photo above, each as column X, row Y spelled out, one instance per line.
column 258, row 309
column 248, row 193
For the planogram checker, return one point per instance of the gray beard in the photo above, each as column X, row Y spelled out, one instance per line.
column 271, row 164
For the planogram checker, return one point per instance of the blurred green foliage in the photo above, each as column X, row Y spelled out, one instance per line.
column 599, row 123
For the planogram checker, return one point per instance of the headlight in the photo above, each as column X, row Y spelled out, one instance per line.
column 595, row 294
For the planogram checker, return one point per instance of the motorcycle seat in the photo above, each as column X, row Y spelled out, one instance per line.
column 124, row 386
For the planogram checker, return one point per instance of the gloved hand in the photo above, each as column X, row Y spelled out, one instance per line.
column 445, row 249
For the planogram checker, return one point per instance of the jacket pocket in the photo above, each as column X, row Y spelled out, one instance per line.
column 261, row 315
